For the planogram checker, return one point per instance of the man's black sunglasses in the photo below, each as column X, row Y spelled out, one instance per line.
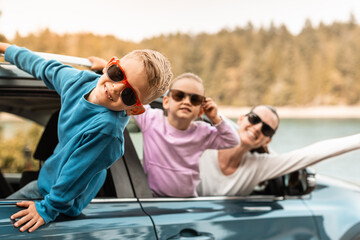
column 253, row 118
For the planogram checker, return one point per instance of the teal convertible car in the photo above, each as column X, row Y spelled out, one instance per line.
column 301, row 205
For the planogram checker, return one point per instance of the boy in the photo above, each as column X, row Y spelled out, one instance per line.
column 94, row 112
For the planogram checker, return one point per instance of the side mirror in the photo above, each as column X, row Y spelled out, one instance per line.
column 300, row 182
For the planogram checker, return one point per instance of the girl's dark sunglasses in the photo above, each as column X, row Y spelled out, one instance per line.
column 117, row 74
column 178, row 95
column 254, row 119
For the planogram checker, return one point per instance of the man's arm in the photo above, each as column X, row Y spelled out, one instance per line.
column 279, row 164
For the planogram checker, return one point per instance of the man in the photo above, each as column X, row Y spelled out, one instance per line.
column 238, row 170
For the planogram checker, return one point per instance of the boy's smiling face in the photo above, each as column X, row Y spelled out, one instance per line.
column 108, row 93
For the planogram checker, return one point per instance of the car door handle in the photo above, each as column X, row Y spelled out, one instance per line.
column 188, row 233
column 257, row 209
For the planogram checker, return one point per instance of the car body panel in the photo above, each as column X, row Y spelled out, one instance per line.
column 236, row 218
column 103, row 219
column 336, row 205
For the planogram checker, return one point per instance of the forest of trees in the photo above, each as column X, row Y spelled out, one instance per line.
column 240, row 67
column 243, row 66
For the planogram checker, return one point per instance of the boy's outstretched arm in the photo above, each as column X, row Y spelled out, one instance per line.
column 30, row 218
column 3, row 47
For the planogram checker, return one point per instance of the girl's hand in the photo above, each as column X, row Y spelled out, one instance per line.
column 30, row 218
column 211, row 111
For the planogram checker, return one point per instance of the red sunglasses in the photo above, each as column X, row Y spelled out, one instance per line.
column 116, row 74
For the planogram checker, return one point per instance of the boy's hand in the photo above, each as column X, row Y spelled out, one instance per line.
column 211, row 111
column 97, row 64
column 30, row 218
column 3, row 47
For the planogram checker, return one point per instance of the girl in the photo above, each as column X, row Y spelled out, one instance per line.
column 174, row 143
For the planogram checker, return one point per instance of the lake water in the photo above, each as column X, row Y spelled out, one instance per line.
column 296, row 133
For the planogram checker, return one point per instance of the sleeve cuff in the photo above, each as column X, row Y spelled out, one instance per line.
column 47, row 214
column 215, row 125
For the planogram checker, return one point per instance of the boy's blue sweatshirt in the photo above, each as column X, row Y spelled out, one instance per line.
column 90, row 137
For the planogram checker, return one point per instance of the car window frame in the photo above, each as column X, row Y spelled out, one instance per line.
column 15, row 82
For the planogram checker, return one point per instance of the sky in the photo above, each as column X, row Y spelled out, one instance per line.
column 138, row 19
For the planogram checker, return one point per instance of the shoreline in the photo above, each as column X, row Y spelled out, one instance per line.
column 336, row 112
column 288, row 112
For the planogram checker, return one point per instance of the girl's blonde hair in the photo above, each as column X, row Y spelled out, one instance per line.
column 187, row 75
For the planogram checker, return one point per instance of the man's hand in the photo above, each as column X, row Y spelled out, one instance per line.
column 30, row 218
column 211, row 111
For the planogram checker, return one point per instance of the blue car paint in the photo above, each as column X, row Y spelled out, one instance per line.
column 339, row 206
column 107, row 220
column 234, row 219
column 330, row 212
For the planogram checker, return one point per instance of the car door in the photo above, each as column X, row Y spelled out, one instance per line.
column 102, row 219
column 114, row 214
column 231, row 218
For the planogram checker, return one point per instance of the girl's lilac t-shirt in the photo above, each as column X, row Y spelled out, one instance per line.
column 171, row 156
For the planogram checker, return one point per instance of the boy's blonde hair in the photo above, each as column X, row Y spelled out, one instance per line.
column 158, row 70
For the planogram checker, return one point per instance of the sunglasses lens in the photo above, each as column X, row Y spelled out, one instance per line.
column 253, row 118
column 177, row 95
column 128, row 97
column 267, row 130
column 115, row 73
column 196, row 99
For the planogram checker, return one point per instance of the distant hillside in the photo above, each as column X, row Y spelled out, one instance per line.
column 244, row 66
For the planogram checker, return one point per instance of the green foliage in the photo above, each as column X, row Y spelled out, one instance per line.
column 244, row 66
column 12, row 156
